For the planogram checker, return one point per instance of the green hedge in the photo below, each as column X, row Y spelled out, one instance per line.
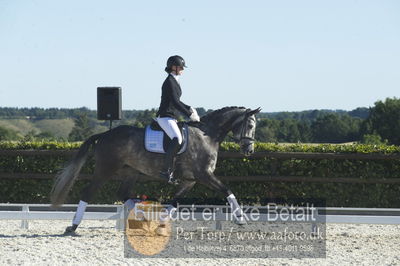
column 335, row 194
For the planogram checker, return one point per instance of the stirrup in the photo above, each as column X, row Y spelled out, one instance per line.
column 169, row 176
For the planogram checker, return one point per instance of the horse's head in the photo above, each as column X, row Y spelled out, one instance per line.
column 245, row 130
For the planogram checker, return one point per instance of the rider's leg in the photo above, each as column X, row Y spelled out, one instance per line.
column 168, row 167
column 169, row 125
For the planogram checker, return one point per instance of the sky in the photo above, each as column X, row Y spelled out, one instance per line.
column 290, row 55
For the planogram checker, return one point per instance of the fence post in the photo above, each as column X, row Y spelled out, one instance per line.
column 25, row 223
column 120, row 224
column 218, row 217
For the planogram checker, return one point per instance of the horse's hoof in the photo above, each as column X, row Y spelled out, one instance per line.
column 162, row 231
column 240, row 221
column 70, row 230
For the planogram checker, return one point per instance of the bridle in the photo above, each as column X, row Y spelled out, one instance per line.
column 243, row 128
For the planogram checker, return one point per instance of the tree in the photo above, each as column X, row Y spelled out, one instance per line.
column 82, row 129
column 305, row 131
column 45, row 135
column 286, row 130
column 266, row 130
column 360, row 112
column 335, row 128
column 145, row 118
column 373, row 139
column 8, row 134
column 384, row 120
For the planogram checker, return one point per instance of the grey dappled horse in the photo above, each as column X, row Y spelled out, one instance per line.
column 123, row 147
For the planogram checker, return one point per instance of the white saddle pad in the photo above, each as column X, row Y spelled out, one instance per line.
column 154, row 140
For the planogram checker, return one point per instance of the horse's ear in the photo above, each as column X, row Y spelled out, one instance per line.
column 255, row 111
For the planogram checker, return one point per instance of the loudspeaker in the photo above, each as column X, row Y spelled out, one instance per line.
column 109, row 103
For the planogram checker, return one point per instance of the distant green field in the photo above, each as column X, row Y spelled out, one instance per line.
column 58, row 127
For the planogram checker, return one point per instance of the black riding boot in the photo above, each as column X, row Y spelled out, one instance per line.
column 168, row 168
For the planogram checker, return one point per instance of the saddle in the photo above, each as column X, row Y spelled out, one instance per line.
column 156, row 140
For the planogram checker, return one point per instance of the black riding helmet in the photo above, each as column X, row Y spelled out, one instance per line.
column 175, row 60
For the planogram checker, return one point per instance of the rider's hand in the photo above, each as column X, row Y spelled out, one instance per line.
column 194, row 116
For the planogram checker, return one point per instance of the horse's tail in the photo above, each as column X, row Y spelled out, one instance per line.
column 67, row 176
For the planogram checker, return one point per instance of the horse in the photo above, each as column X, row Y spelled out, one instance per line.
column 122, row 147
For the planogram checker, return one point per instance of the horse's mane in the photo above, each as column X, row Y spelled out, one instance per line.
column 217, row 113
column 217, row 117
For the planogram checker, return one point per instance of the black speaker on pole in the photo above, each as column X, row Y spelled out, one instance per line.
column 109, row 103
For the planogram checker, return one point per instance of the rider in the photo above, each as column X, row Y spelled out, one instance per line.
column 169, row 111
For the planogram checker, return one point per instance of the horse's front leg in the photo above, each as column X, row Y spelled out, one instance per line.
column 213, row 182
column 237, row 211
column 183, row 188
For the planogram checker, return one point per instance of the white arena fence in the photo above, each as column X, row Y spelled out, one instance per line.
column 27, row 212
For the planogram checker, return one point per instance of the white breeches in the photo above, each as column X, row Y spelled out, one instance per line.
column 170, row 126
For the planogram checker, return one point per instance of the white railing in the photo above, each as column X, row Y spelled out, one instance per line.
column 27, row 212
column 360, row 215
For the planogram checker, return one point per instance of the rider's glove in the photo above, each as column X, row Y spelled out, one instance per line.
column 194, row 116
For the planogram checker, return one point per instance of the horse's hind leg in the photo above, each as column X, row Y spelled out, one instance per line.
column 99, row 178
column 183, row 188
column 125, row 189
column 124, row 192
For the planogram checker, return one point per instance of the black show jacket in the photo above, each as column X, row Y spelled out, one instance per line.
column 171, row 104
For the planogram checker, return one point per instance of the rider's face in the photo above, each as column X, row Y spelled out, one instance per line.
column 177, row 70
